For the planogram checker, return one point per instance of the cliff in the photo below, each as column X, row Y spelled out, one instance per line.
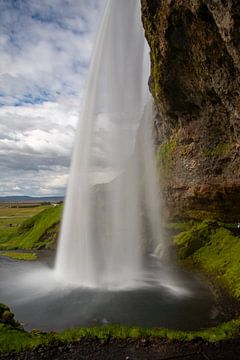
column 195, row 65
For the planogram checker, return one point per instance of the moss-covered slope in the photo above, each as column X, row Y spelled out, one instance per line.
column 214, row 249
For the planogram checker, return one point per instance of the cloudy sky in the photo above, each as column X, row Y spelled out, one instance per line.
column 45, row 50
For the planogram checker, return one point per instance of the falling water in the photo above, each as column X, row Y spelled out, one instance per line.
column 111, row 214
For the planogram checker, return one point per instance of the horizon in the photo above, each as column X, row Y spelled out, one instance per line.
column 32, row 196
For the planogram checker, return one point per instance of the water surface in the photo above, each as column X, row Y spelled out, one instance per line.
column 162, row 297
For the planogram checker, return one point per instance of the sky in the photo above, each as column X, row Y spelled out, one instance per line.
column 45, row 51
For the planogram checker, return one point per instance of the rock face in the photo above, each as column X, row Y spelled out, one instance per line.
column 195, row 81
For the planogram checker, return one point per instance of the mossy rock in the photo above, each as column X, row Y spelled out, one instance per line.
column 193, row 239
column 3, row 308
column 213, row 248
column 7, row 317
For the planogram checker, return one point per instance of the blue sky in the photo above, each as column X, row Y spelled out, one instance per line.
column 45, row 51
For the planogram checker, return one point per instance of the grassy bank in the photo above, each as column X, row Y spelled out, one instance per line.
column 36, row 232
column 13, row 339
column 13, row 215
column 214, row 249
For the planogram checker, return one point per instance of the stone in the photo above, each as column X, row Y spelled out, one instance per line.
column 195, row 81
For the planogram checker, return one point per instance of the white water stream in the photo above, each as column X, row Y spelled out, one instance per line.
column 112, row 195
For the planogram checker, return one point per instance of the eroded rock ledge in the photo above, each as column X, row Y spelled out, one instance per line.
column 195, row 81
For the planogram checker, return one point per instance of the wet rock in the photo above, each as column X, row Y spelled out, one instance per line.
column 195, row 68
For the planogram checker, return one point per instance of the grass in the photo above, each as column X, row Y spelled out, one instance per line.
column 223, row 332
column 9, row 210
column 13, row 339
column 38, row 231
column 13, row 216
column 20, row 255
column 211, row 247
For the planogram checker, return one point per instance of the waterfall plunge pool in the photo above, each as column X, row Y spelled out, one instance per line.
column 164, row 296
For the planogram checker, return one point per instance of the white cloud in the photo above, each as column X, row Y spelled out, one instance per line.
column 45, row 52
column 35, row 139
column 43, row 128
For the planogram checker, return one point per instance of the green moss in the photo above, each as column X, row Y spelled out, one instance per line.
column 32, row 233
column 214, row 249
column 165, row 157
column 219, row 150
column 202, row 214
column 3, row 307
column 20, row 256
column 7, row 316
column 155, row 72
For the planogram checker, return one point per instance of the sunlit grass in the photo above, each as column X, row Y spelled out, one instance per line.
column 38, row 231
column 212, row 248
column 11, row 217
column 12, row 339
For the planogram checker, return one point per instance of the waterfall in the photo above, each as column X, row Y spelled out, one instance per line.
column 111, row 214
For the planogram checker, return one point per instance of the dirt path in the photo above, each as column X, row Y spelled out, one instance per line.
column 129, row 349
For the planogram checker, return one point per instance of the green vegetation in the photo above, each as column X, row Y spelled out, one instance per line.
column 219, row 150
column 16, row 339
column 224, row 331
column 38, row 231
column 165, row 157
column 178, row 226
column 20, row 255
column 7, row 317
column 200, row 215
column 12, row 216
column 212, row 247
